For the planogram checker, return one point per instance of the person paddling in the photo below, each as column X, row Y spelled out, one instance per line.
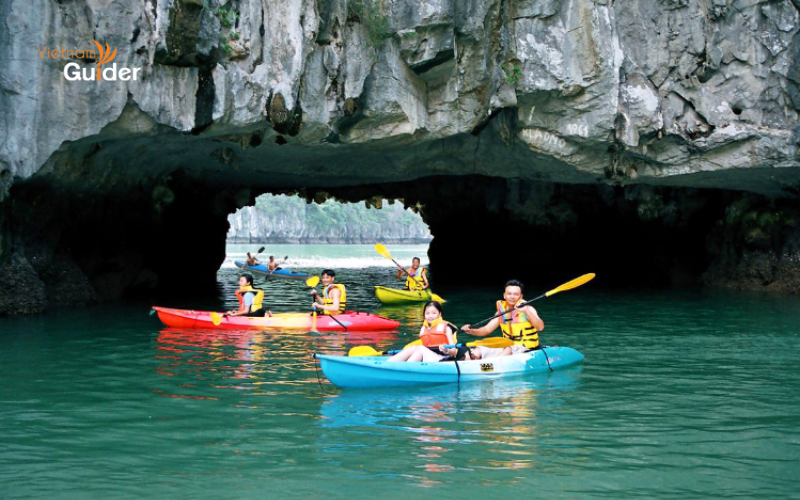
column 417, row 278
column 521, row 325
column 272, row 265
column 250, row 299
column 435, row 332
column 251, row 260
column 334, row 295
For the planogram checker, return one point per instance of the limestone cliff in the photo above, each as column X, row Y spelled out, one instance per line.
column 282, row 219
column 241, row 97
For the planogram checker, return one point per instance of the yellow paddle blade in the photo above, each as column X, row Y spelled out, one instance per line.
column 312, row 281
column 436, row 298
column 363, row 350
column 216, row 318
column 492, row 342
column 572, row 284
column 383, row 251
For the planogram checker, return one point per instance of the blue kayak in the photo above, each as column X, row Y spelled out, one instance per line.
column 279, row 273
column 377, row 371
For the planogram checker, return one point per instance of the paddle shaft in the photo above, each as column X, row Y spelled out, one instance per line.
column 402, row 269
column 256, row 255
column 279, row 265
column 449, row 346
column 331, row 316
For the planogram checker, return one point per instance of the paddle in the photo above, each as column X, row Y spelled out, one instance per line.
column 256, row 255
column 313, row 282
column 563, row 288
column 365, row 350
column 385, row 253
column 279, row 265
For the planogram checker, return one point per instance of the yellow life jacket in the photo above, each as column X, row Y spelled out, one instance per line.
column 416, row 284
column 257, row 300
column 517, row 327
column 328, row 301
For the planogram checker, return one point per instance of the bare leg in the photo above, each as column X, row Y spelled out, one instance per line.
column 403, row 355
column 506, row 352
column 417, row 355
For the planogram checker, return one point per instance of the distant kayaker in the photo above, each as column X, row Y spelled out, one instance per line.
column 251, row 260
column 272, row 265
column 417, row 278
column 435, row 332
column 250, row 299
column 522, row 325
column 334, row 295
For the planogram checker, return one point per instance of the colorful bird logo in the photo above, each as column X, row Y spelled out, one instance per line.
column 104, row 57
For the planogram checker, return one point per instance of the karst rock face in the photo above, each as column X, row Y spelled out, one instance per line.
column 506, row 109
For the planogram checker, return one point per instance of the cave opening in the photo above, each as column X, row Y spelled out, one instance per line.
column 169, row 234
column 325, row 233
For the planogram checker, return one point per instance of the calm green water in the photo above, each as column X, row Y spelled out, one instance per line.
column 682, row 395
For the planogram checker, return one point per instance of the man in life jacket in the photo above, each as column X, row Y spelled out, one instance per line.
column 521, row 325
column 417, row 278
column 250, row 299
column 334, row 295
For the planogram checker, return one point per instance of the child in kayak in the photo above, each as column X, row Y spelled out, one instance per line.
column 250, row 299
column 435, row 332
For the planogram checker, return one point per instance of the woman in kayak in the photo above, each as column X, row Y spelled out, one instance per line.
column 334, row 295
column 250, row 299
column 521, row 324
column 435, row 332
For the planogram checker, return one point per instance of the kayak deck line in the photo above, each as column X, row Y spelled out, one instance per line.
column 377, row 371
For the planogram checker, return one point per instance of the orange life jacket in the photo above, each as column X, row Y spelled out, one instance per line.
column 434, row 334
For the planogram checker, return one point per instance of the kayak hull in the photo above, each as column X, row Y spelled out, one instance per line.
column 396, row 296
column 376, row 371
column 280, row 273
column 354, row 321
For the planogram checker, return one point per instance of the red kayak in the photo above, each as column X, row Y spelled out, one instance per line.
column 353, row 320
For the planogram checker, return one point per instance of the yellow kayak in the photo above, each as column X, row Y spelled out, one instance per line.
column 396, row 296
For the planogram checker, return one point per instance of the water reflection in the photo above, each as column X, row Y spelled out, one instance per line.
column 205, row 360
column 503, row 418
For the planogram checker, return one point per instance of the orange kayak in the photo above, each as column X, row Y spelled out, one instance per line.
column 353, row 320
